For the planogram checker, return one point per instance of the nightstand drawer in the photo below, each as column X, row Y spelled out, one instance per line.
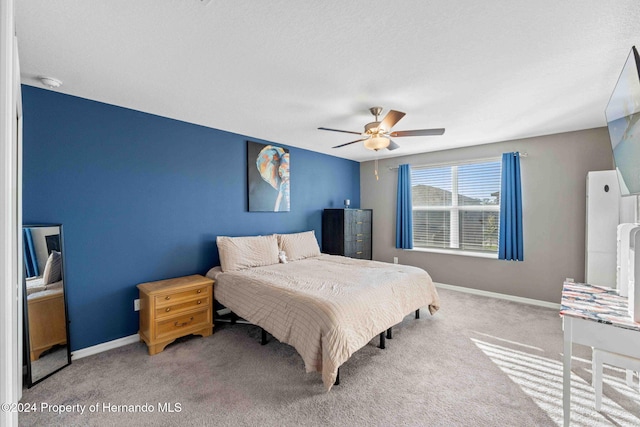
column 175, row 308
column 171, row 299
column 179, row 325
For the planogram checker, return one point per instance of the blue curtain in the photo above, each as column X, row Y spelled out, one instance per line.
column 30, row 260
column 510, row 245
column 404, row 214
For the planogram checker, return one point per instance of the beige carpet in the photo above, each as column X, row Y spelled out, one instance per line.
column 478, row 362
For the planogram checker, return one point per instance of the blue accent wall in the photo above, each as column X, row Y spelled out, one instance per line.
column 143, row 197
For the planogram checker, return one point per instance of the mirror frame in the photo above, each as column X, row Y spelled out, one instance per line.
column 26, row 345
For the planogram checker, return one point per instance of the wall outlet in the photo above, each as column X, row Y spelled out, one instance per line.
column 395, row 259
column 136, row 305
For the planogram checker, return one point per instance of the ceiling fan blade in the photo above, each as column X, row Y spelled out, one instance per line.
column 349, row 143
column 418, row 132
column 343, row 131
column 391, row 119
column 392, row 145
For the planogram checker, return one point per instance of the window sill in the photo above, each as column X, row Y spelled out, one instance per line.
column 456, row 252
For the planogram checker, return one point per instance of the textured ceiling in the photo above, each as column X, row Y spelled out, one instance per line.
column 276, row 70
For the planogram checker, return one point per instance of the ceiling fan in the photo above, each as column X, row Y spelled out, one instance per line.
column 377, row 135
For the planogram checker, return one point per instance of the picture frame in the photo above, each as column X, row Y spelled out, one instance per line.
column 268, row 178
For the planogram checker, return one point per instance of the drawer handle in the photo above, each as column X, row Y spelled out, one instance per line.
column 359, row 240
column 199, row 291
column 178, row 324
column 359, row 253
column 167, row 297
column 168, row 309
column 360, row 222
column 199, row 302
column 359, row 234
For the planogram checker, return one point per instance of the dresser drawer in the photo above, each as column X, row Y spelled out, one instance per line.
column 178, row 307
column 173, row 298
column 358, row 237
column 363, row 254
column 358, row 245
column 358, row 223
column 180, row 325
column 357, row 228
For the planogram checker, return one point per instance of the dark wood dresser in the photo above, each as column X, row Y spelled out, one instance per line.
column 347, row 232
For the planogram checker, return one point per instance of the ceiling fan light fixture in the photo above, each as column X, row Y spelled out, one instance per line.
column 376, row 143
column 376, row 134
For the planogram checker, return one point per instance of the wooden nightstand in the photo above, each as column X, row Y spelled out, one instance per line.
column 173, row 308
column 47, row 322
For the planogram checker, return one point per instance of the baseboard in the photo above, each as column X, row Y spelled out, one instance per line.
column 99, row 348
column 513, row 298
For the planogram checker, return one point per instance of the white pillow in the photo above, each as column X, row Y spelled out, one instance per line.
column 53, row 268
column 239, row 253
column 299, row 245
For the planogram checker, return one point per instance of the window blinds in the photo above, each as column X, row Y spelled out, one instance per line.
column 457, row 206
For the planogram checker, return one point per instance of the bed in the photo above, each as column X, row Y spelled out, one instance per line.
column 325, row 306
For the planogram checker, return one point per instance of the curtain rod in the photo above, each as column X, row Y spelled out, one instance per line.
column 524, row 154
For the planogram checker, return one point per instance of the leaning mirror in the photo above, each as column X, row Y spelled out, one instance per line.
column 46, row 331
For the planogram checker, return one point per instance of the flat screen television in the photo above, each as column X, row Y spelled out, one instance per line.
column 623, row 121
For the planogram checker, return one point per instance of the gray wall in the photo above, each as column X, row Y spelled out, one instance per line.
column 553, row 199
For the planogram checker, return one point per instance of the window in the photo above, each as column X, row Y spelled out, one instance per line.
column 457, row 206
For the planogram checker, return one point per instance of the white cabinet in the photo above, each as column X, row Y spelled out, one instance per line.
column 603, row 216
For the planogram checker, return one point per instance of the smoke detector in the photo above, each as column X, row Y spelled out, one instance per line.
column 50, row 82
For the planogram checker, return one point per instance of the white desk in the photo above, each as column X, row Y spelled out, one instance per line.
column 597, row 317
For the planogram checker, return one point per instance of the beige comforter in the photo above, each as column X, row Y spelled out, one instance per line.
column 326, row 307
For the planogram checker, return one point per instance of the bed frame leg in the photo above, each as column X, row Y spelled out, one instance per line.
column 263, row 339
column 417, row 313
column 382, row 341
column 337, row 378
column 389, row 333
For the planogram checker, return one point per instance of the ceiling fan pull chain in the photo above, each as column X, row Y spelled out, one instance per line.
column 376, row 169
